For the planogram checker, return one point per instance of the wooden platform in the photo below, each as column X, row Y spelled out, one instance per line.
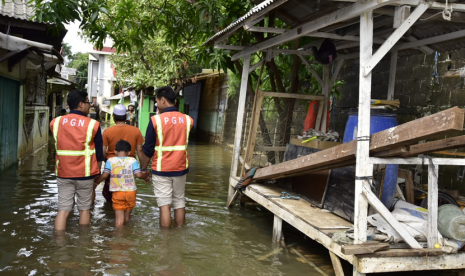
column 319, row 224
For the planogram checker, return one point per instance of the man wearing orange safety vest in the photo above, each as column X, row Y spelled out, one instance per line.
column 166, row 141
column 78, row 158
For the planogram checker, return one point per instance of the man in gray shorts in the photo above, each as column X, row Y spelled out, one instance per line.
column 78, row 158
column 167, row 136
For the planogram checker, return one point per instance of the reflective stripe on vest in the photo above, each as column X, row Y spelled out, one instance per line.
column 87, row 152
column 160, row 148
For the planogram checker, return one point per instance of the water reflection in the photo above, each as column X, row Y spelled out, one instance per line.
column 216, row 241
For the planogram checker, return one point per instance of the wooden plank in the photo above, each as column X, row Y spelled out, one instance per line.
column 364, row 248
column 321, row 107
column 392, row 75
column 335, row 75
column 433, row 174
column 423, row 262
column 451, row 120
column 443, row 144
column 264, row 148
column 409, row 191
column 418, row 161
column 326, row 89
column 431, row 40
column 239, row 123
column 424, row 252
column 386, row 214
column 292, row 95
column 277, row 229
column 394, row 37
column 312, row 70
column 264, row 29
column 337, row 266
column 229, row 47
column 363, row 168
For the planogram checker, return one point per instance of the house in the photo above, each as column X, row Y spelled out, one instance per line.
column 101, row 75
column 28, row 55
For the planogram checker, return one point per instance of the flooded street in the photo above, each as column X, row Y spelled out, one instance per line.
column 216, row 241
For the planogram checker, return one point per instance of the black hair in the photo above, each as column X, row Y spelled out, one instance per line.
column 166, row 92
column 63, row 111
column 123, row 145
column 119, row 118
column 75, row 97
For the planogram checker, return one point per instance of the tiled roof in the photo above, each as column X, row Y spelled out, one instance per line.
column 18, row 9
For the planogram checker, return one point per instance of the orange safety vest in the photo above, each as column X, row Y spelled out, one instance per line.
column 172, row 129
column 74, row 145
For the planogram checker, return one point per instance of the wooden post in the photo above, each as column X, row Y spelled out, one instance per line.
column 239, row 122
column 433, row 171
column 392, row 75
column 336, row 264
column 409, row 191
column 277, row 229
column 363, row 167
column 326, row 90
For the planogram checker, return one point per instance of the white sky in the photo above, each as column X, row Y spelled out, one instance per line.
column 73, row 38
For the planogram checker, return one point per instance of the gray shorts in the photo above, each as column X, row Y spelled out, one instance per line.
column 169, row 190
column 67, row 188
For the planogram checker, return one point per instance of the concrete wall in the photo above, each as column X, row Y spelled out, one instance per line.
column 418, row 92
column 213, row 104
column 33, row 131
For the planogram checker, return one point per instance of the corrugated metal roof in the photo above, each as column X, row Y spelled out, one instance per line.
column 18, row 9
column 256, row 12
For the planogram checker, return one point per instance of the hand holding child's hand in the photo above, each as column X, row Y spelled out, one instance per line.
column 147, row 177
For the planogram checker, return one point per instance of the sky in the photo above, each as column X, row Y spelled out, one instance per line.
column 72, row 38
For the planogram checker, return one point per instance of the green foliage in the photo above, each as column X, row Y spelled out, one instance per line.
column 80, row 61
column 66, row 50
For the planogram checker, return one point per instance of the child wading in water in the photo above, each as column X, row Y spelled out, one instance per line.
column 122, row 170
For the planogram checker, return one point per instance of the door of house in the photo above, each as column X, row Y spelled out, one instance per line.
column 9, row 114
column 192, row 95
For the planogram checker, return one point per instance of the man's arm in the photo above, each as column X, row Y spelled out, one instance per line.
column 105, row 148
column 149, row 146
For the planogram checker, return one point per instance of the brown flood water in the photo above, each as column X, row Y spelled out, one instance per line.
column 216, row 241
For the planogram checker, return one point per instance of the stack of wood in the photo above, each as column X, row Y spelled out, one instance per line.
column 398, row 141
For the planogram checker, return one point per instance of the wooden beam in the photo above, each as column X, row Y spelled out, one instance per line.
column 293, row 52
column 424, row 128
column 443, row 144
column 364, row 248
column 409, row 191
column 337, row 266
column 230, row 47
column 342, row 37
column 277, row 229
column 340, row 15
column 312, row 70
column 386, row 214
column 239, row 123
column 433, row 174
column 264, row 29
column 264, row 148
column 394, row 37
column 392, row 75
column 431, row 40
column 452, row 74
column 335, row 75
column 325, row 90
column 292, row 95
column 418, row 161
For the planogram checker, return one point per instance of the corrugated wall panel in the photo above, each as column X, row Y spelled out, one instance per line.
column 9, row 112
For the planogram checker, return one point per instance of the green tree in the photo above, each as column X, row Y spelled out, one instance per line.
column 66, row 51
column 80, row 62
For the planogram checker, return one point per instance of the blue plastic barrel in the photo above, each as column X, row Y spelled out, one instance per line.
column 380, row 120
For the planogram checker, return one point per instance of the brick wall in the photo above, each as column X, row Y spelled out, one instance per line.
column 417, row 90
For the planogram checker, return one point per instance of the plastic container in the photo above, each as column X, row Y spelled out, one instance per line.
column 451, row 222
column 380, row 119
